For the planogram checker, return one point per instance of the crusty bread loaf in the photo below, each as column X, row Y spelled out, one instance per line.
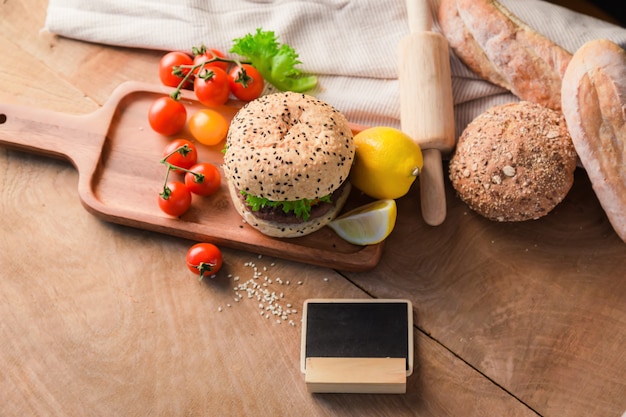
column 514, row 162
column 594, row 105
column 502, row 49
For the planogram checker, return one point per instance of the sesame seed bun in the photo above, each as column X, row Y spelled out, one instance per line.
column 287, row 147
column 514, row 162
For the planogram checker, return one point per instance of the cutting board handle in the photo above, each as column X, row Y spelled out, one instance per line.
column 77, row 138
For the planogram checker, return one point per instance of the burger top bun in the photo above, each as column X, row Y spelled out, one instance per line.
column 288, row 146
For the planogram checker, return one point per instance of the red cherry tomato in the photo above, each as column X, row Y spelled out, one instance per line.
column 204, row 179
column 208, row 54
column 168, row 62
column 204, row 259
column 175, row 198
column 167, row 116
column 246, row 82
column 182, row 153
column 211, row 87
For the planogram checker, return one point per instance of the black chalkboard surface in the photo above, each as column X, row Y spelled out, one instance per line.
column 351, row 340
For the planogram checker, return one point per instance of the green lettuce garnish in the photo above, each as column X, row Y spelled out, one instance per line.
column 301, row 208
column 276, row 62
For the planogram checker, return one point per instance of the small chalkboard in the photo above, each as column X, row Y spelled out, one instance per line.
column 357, row 345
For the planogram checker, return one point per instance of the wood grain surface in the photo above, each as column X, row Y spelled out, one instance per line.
column 98, row 319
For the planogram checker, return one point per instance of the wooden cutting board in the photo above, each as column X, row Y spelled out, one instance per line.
column 118, row 155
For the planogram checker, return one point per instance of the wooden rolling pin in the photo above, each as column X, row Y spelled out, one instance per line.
column 426, row 104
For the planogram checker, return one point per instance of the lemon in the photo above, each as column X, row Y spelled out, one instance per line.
column 368, row 224
column 386, row 164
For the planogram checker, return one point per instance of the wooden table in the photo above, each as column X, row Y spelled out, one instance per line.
column 98, row 319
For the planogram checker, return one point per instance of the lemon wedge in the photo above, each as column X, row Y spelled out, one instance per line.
column 368, row 224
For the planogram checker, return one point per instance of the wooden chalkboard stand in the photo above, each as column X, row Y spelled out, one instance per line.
column 356, row 375
column 357, row 345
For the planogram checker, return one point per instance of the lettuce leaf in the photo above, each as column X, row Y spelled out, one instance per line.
column 276, row 62
column 301, row 208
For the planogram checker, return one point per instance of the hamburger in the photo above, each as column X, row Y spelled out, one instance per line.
column 287, row 160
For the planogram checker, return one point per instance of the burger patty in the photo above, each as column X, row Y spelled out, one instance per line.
column 276, row 214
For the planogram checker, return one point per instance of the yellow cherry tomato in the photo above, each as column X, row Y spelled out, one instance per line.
column 208, row 127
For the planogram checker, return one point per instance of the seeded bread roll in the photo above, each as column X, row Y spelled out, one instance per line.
column 514, row 162
column 594, row 98
column 502, row 49
column 288, row 151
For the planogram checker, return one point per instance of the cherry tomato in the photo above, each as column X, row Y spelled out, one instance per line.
column 208, row 54
column 204, row 259
column 246, row 82
column 175, row 199
column 211, row 87
column 182, row 153
column 170, row 60
column 167, row 116
column 208, row 181
column 208, row 126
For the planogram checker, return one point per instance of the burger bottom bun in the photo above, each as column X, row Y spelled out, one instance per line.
column 276, row 229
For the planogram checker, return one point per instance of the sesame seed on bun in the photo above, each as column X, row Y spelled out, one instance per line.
column 283, row 149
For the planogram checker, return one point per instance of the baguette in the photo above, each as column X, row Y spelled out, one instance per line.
column 594, row 106
column 502, row 49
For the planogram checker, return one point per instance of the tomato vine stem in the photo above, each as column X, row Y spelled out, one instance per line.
column 183, row 150
column 178, row 71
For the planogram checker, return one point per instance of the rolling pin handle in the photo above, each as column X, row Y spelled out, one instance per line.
column 418, row 12
column 432, row 188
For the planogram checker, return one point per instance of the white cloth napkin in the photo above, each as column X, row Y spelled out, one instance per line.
column 351, row 45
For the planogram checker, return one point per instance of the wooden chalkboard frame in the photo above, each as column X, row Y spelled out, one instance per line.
column 357, row 345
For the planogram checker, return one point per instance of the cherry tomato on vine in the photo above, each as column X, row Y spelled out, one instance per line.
column 204, row 259
column 204, row 54
column 168, row 62
column 211, row 87
column 167, row 116
column 175, row 199
column 204, row 179
column 208, row 126
column 246, row 82
column 182, row 153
